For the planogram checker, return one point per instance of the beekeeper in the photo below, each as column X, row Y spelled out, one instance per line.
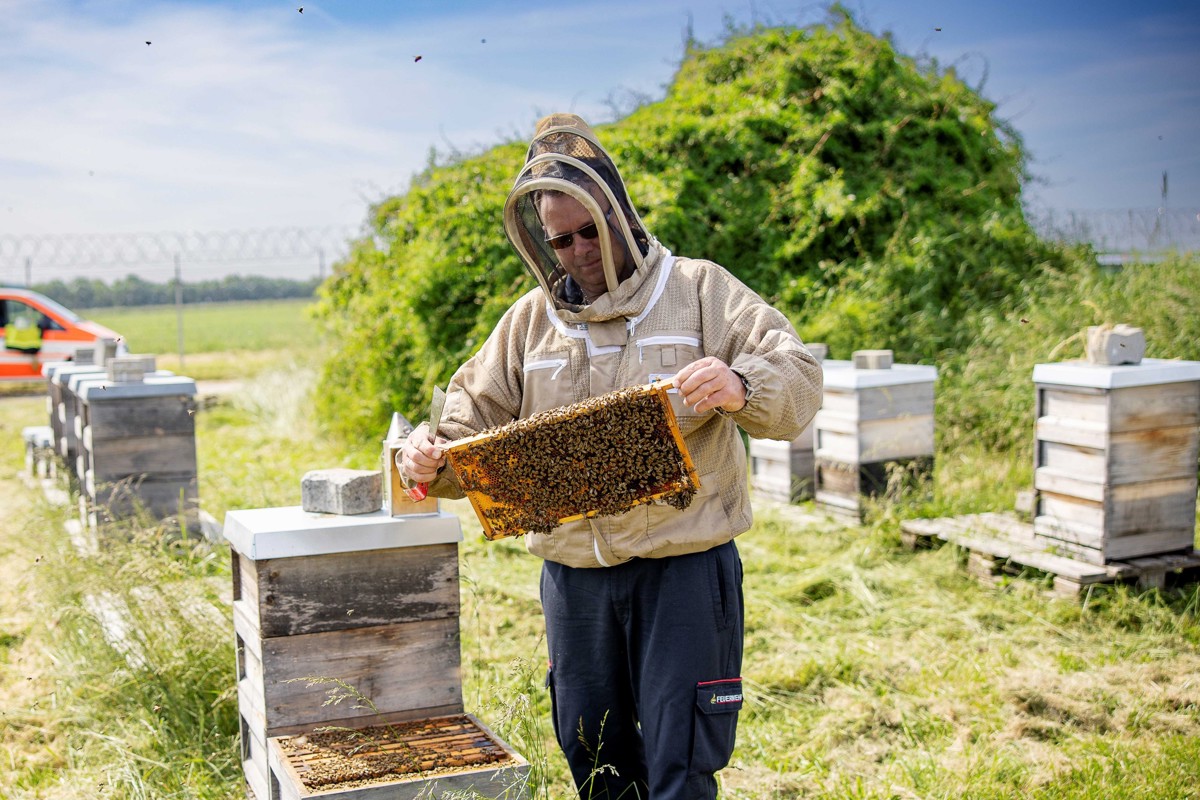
column 644, row 620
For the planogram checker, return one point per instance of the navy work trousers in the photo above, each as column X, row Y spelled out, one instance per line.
column 645, row 672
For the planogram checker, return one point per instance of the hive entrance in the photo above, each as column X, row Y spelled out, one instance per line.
column 598, row 457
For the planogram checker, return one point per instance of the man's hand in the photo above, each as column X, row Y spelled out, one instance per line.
column 420, row 459
column 709, row 383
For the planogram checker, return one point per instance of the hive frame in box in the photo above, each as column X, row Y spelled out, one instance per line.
column 465, row 454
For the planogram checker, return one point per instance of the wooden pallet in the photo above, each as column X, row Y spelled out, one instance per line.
column 1001, row 544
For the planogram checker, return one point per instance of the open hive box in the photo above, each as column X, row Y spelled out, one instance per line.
column 598, row 457
column 402, row 760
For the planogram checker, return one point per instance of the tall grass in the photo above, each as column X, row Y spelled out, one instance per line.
column 870, row 671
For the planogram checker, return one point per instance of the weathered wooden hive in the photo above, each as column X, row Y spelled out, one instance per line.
column 784, row 471
column 1115, row 457
column 62, row 407
column 368, row 601
column 875, row 425
column 136, row 437
column 39, row 450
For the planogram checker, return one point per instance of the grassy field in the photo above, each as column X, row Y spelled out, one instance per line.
column 871, row 671
column 220, row 340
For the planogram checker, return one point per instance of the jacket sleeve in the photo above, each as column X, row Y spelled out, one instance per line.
column 760, row 344
column 485, row 392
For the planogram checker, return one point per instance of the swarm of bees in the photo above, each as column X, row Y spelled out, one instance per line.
column 599, row 457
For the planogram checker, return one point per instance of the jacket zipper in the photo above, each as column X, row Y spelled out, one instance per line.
column 555, row 364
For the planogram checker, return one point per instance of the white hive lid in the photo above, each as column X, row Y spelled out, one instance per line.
column 843, row 376
column 61, row 372
column 1149, row 372
column 290, row 531
column 94, row 388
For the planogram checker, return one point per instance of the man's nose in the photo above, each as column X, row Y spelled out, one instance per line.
column 582, row 246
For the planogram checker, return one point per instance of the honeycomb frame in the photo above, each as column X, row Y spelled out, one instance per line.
column 599, row 457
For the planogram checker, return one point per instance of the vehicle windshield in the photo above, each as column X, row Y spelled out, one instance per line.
column 60, row 309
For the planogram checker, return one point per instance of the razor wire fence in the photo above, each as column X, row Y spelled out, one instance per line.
column 301, row 253
column 292, row 252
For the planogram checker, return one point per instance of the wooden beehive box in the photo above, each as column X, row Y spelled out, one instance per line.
column 872, row 422
column 370, row 599
column 783, row 471
column 138, row 448
column 598, row 457
column 38, row 441
column 1115, row 457
column 62, row 402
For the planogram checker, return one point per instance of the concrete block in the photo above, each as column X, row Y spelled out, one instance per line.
column 103, row 350
column 129, row 368
column 342, row 491
column 1115, row 344
column 872, row 359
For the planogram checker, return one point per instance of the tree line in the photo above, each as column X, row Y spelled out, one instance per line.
column 82, row 293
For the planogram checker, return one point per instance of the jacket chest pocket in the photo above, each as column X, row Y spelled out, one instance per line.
column 667, row 352
column 661, row 355
column 547, row 383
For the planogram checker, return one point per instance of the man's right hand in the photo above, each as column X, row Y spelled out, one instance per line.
column 421, row 459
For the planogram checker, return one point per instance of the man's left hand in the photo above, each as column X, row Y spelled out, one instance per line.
column 709, row 383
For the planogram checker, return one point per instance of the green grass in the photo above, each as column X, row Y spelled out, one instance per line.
column 214, row 327
column 870, row 671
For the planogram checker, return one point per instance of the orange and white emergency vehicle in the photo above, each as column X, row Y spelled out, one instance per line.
column 35, row 330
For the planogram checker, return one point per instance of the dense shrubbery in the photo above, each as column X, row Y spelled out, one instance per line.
column 874, row 199
column 131, row 290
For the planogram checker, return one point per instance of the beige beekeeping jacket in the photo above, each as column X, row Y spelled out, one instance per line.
column 670, row 312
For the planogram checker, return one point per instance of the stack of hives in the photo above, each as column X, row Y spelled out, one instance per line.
column 61, row 405
column 875, row 428
column 784, row 471
column 359, row 601
column 1116, row 448
column 129, row 435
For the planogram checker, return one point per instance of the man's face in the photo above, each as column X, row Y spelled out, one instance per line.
column 562, row 214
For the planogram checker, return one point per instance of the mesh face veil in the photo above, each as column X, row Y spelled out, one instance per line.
column 568, row 185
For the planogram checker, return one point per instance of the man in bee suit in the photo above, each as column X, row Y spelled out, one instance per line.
column 644, row 620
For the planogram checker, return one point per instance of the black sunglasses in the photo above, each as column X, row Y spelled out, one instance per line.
column 565, row 240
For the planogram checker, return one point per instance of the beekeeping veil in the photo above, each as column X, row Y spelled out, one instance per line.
column 565, row 157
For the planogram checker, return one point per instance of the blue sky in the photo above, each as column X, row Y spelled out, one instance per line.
column 251, row 114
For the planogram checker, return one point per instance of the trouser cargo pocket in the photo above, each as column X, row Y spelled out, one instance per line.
column 717, row 705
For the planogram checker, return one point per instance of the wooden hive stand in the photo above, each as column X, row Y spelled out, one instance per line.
column 1000, row 545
